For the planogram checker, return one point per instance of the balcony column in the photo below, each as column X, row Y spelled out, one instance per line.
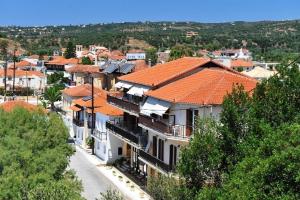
column 85, row 129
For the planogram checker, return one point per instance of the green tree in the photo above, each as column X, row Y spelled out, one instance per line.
column 70, row 51
column 86, row 61
column 111, row 194
column 151, row 54
column 34, row 156
column 200, row 161
column 180, row 51
column 52, row 95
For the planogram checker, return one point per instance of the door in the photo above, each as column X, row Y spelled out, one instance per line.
column 189, row 122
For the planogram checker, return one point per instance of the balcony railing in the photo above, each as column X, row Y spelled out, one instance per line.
column 123, row 103
column 100, row 135
column 78, row 122
column 138, row 138
column 155, row 161
column 163, row 127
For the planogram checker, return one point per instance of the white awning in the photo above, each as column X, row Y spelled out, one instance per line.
column 155, row 106
column 122, row 84
column 137, row 90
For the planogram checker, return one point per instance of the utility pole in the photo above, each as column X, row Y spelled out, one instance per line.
column 26, row 85
column 93, row 118
column 14, row 75
column 5, row 75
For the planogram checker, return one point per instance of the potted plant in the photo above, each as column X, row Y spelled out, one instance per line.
column 120, row 178
column 127, row 183
column 89, row 142
column 132, row 187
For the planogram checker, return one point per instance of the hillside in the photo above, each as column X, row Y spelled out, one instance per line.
column 268, row 39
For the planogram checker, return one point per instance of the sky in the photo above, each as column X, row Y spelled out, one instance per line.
column 65, row 12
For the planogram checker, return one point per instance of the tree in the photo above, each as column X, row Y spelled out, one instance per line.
column 86, row 61
column 52, row 95
column 3, row 48
column 70, row 51
column 34, row 156
column 200, row 161
column 151, row 54
column 111, row 194
column 180, row 51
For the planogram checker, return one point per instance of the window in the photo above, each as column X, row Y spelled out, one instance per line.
column 120, row 151
column 104, row 149
column 154, row 149
column 98, row 145
column 161, row 144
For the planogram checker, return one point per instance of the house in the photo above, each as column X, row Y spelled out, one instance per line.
column 136, row 54
column 241, row 65
column 107, row 146
column 60, row 63
column 160, row 105
column 111, row 70
column 81, row 74
column 190, row 34
column 34, row 80
column 72, row 93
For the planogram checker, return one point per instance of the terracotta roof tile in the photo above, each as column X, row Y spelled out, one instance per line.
column 241, row 63
column 21, row 73
column 207, row 87
column 163, row 72
column 83, row 91
column 9, row 106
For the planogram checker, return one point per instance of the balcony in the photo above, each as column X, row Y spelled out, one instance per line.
column 163, row 127
column 135, row 137
column 123, row 103
column 78, row 122
column 102, row 136
column 155, row 161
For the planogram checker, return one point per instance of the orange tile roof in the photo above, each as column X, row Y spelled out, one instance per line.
column 109, row 110
column 207, row 87
column 9, row 106
column 241, row 63
column 98, row 101
column 83, row 69
column 163, row 72
column 139, row 65
column 63, row 61
column 75, row 108
column 21, row 73
column 83, row 91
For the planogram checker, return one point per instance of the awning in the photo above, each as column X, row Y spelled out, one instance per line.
column 122, row 84
column 155, row 106
column 75, row 108
column 137, row 90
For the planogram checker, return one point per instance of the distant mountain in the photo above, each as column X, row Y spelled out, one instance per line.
column 268, row 39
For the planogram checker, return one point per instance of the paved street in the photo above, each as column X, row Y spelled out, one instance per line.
column 93, row 181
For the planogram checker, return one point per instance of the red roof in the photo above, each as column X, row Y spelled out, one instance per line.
column 207, row 87
column 83, row 91
column 21, row 73
column 241, row 63
column 9, row 106
column 164, row 72
column 63, row 61
column 83, row 69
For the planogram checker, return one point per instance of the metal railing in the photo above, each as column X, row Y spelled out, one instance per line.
column 123, row 103
column 134, row 136
column 100, row 135
column 78, row 122
column 163, row 127
column 155, row 161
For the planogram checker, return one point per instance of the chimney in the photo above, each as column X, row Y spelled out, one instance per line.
column 149, row 62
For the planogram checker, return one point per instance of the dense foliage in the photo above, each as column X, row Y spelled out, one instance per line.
column 70, row 51
column 34, row 156
column 254, row 153
column 273, row 41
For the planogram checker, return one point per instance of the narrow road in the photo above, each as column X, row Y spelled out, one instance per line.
column 92, row 180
